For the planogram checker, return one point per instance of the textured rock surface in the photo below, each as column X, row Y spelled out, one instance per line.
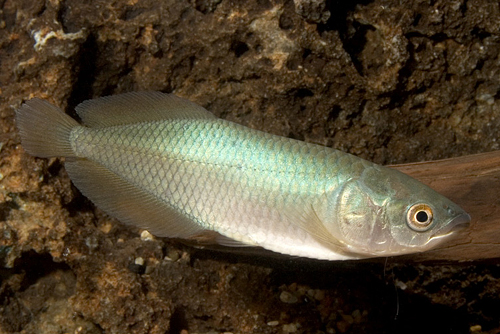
column 390, row 81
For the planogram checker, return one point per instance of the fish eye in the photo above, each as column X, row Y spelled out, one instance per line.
column 419, row 217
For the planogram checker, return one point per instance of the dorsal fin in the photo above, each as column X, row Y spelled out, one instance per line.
column 137, row 107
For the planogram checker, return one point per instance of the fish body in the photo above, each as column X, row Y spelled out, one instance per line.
column 167, row 165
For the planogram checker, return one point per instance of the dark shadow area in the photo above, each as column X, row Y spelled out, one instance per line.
column 338, row 12
column 178, row 321
column 85, row 66
column 417, row 315
column 35, row 266
column 26, row 289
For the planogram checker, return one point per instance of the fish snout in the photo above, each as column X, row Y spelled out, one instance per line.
column 459, row 223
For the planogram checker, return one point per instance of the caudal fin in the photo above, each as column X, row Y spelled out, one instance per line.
column 45, row 129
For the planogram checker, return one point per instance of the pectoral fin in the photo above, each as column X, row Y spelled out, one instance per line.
column 307, row 219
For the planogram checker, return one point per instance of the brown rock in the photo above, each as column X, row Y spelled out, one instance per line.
column 390, row 81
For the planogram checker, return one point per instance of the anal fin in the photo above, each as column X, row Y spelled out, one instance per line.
column 128, row 203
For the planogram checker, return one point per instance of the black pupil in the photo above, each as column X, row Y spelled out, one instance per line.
column 422, row 216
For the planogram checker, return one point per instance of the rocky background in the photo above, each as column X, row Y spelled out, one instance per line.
column 390, row 81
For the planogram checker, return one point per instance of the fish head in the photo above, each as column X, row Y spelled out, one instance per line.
column 419, row 218
column 384, row 212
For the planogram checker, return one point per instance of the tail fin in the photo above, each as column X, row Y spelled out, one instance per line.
column 45, row 129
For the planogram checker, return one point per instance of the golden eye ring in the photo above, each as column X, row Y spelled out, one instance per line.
column 419, row 217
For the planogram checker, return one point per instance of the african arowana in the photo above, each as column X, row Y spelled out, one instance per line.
column 167, row 165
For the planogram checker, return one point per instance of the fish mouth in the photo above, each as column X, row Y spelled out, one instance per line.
column 459, row 223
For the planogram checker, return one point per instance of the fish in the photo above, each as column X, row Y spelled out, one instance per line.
column 167, row 165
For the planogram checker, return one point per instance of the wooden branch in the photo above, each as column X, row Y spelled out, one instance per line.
column 473, row 182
